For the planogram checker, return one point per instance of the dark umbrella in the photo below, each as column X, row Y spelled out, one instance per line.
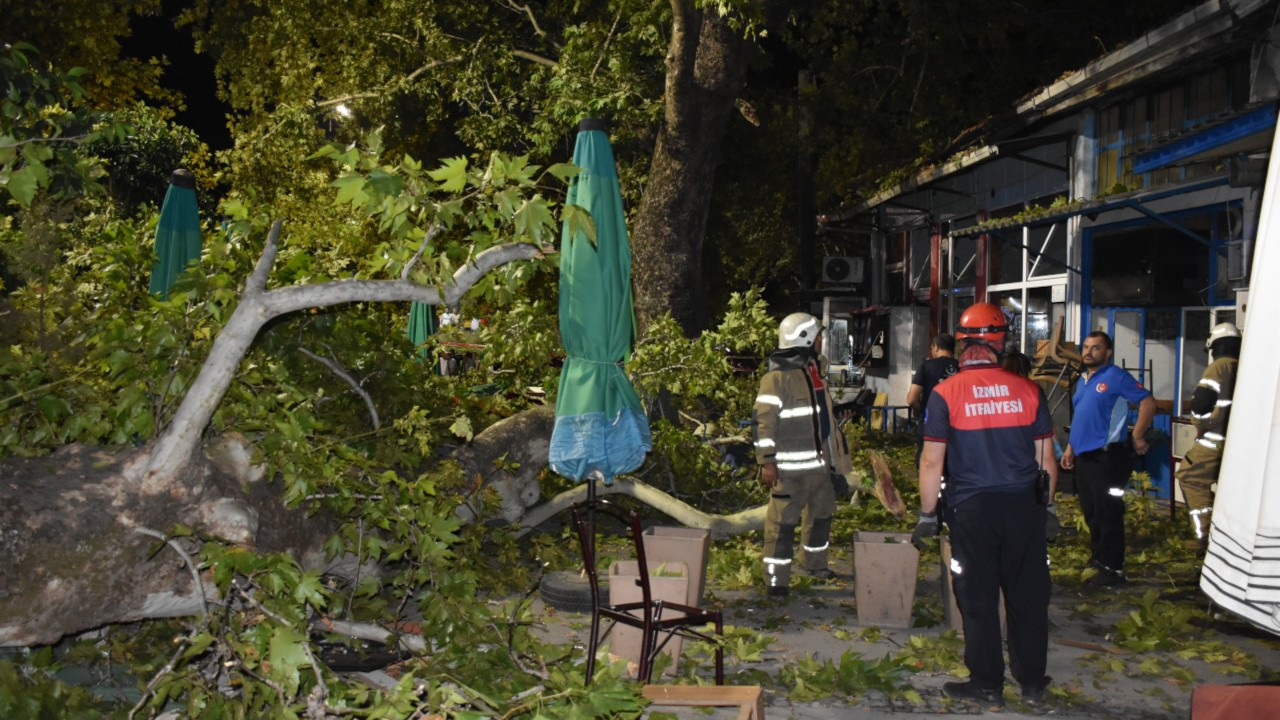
column 177, row 232
column 601, row 429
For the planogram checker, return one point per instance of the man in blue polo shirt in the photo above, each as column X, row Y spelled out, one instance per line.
column 1099, row 450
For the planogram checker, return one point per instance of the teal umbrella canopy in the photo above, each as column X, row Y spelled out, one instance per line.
column 422, row 325
column 600, row 424
column 178, row 238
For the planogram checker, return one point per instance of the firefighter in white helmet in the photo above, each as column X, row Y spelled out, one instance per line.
column 1210, row 410
column 801, row 453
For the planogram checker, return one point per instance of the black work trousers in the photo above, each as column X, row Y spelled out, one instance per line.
column 998, row 544
column 1101, row 476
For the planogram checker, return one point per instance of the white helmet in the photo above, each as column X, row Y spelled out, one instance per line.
column 798, row 330
column 1220, row 331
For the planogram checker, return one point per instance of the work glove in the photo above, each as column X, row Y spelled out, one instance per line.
column 840, row 484
column 1051, row 524
column 926, row 527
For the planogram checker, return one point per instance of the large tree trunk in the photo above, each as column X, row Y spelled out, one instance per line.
column 80, row 546
column 82, row 531
column 706, row 67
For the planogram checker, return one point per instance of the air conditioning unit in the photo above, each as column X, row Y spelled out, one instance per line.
column 842, row 270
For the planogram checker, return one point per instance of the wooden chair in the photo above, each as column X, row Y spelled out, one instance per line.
column 658, row 620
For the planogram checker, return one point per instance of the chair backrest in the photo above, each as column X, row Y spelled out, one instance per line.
column 585, row 515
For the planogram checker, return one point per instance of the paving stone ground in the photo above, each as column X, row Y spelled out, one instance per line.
column 1093, row 678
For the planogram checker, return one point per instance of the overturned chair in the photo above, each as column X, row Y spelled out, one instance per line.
column 657, row 620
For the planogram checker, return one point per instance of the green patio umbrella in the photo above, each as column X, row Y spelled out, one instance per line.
column 422, row 325
column 177, row 232
column 601, row 429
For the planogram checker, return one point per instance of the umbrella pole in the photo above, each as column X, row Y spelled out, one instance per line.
column 591, row 515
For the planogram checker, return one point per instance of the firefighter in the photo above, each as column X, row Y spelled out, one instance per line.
column 801, row 452
column 1210, row 411
column 991, row 428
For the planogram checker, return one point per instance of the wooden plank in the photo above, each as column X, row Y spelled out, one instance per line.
column 749, row 698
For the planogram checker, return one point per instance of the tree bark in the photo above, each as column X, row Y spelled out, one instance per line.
column 78, row 529
column 508, row 457
column 77, row 549
column 706, row 68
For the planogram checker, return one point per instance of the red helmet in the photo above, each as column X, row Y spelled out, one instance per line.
column 983, row 323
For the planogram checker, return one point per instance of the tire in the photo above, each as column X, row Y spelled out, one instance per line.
column 569, row 591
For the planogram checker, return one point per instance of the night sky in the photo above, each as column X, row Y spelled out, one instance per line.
column 187, row 72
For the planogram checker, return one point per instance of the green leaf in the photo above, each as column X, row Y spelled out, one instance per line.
column 22, row 186
column 533, row 218
column 578, row 219
column 564, row 171
column 452, row 176
column 385, row 183
column 309, row 590
column 350, row 190
column 462, row 428
column 286, row 654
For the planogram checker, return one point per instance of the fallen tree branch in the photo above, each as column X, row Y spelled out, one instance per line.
column 678, row 510
column 374, row 633
column 186, row 558
column 346, row 377
column 427, row 239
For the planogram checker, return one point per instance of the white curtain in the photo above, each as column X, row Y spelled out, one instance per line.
column 1242, row 569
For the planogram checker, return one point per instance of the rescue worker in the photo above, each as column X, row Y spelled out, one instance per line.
column 992, row 429
column 800, row 451
column 940, row 365
column 1101, row 452
column 1210, row 411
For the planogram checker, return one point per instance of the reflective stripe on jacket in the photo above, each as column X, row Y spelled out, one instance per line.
column 1211, row 402
column 787, row 423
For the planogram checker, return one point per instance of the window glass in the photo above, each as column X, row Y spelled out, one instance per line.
column 1005, row 248
column 1050, row 242
column 1010, row 302
column 963, row 263
column 920, row 247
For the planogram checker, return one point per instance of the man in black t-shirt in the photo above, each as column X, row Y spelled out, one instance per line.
column 940, row 366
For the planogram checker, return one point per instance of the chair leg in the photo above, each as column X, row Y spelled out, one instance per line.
column 592, row 644
column 719, row 650
column 648, row 652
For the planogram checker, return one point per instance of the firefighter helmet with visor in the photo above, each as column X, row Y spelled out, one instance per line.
column 798, row 330
column 983, row 323
column 1221, row 331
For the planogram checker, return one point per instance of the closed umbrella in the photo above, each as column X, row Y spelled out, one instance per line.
column 600, row 428
column 422, row 324
column 1242, row 568
column 177, row 232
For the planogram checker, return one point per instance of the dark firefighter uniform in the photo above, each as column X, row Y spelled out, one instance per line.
column 1210, row 410
column 990, row 420
column 796, row 429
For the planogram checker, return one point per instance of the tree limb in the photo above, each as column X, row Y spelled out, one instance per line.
column 186, row 558
column 379, row 93
column 346, row 377
column 605, row 47
column 256, row 283
column 297, row 297
column 374, row 633
column 432, row 233
column 678, row 510
column 533, row 20
column 178, row 442
column 533, row 57
column 681, row 53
